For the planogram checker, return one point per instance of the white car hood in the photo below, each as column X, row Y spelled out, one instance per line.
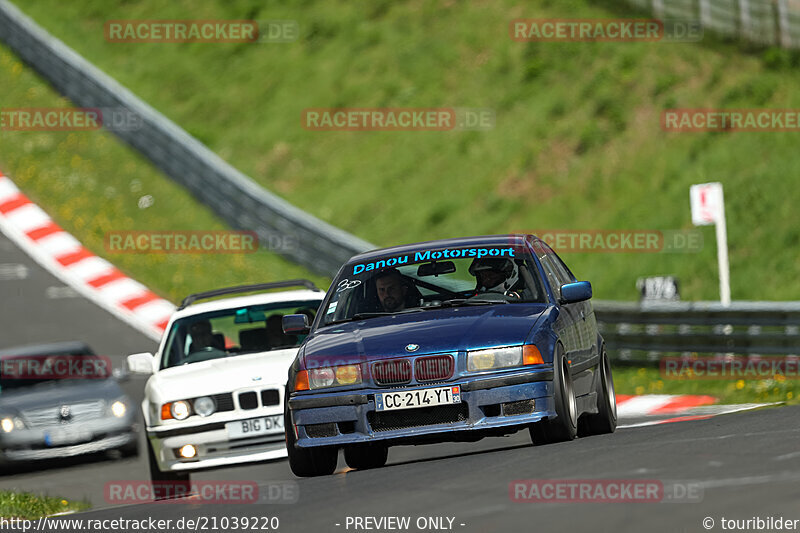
column 249, row 371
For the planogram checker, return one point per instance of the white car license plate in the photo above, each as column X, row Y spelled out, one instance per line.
column 265, row 425
column 410, row 399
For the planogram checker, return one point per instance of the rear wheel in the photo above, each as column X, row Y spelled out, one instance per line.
column 605, row 421
column 166, row 483
column 565, row 426
column 365, row 456
column 308, row 462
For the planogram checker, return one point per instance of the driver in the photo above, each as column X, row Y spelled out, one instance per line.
column 392, row 290
column 202, row 337
column 494, row 274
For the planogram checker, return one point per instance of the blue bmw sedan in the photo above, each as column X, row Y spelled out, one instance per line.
column 450, row 340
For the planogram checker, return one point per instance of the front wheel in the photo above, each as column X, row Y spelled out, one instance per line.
column 166, row 484
column 365, row 456
column 308, row 462
column 565, row 426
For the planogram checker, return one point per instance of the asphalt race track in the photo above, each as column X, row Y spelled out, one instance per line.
column 729, row 458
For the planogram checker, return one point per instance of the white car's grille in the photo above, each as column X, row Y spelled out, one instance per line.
column 75, row 412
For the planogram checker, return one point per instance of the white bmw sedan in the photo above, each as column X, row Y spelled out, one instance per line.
column 215, row 395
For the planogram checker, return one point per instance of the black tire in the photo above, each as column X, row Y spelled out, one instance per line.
column 366, row 456
column 605, row 421
column 166, row 483
column 131, row 449
column 308, row 462
column 565, row 426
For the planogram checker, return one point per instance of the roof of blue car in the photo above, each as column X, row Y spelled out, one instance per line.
column 511, row 239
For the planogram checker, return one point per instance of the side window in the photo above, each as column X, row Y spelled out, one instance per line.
column 545, row 257
column 557, row 272
column 564, row 272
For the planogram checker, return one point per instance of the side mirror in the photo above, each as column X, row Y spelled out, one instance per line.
column 295, row 324
column 140, row 363
column 121, row 374
column 576, row 292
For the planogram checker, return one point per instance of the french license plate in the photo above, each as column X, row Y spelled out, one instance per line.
column 67, row 435
column 265, row 425
column 410, row 399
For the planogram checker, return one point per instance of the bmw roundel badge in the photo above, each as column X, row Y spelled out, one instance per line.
column 412, row 347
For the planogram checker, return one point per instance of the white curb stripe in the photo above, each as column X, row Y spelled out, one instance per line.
column 144, row 311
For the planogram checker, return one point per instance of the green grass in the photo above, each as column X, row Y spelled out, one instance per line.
column 639, row 381
column 30, row 506
column 577, row 142
column 91, row 184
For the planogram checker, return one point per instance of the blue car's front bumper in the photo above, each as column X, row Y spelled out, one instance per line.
column 489, row 404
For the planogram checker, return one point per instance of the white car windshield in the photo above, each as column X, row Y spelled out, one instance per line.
column 231, row 332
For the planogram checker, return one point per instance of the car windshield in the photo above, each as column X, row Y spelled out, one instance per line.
column 433, row 279
column 231, row 332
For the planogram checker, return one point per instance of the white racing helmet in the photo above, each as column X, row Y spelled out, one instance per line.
column 502, row 265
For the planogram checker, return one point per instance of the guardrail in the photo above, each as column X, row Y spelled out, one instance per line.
column 642, row 333
column 233, row 196
column 768, row 22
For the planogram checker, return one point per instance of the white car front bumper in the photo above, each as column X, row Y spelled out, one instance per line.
column 214, row 447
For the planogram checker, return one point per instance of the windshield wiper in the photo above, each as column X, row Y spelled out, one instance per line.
column 362, row 316
column 457, row 302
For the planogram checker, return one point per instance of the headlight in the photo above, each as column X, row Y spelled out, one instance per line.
column 320, row 378
column 178, row 410
column 478, row 360
column 204, row 406
column 118, row 409
column 9, row 424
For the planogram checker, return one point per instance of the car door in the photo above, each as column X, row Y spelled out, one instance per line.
column 567, row 327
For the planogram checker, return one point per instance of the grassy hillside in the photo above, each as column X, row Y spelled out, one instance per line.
column 577, row 141
column 91, row 184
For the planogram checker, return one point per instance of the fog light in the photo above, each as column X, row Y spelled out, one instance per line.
column 187, row 451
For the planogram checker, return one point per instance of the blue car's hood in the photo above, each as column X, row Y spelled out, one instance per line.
column 435, row 331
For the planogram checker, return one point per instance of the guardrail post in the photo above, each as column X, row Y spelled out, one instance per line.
column 784, row 35
column 745, row 24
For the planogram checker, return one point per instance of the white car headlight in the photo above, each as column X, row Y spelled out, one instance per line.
column 204, row 406
column 479, row 360
column 179, row 410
